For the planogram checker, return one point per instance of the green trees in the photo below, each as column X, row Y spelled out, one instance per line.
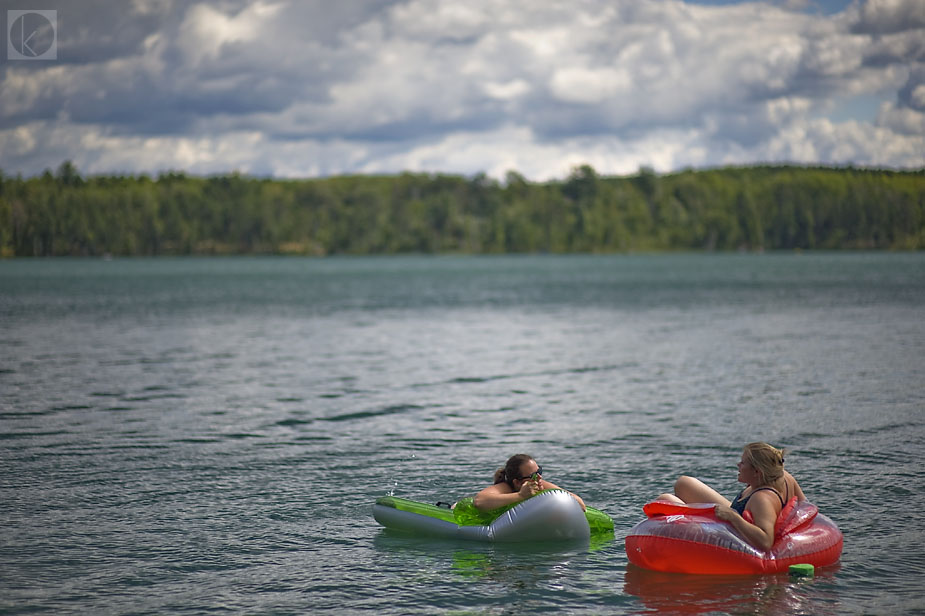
column 737, row 208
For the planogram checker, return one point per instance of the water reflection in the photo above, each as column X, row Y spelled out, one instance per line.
column 516, row 566
column 679, row 593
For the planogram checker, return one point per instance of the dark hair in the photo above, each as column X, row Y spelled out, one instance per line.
column 511, row 470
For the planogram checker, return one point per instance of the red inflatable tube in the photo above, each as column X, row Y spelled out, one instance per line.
column 689, row 539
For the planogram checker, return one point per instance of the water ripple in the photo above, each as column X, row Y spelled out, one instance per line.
column 194, row 436
column 393, row 409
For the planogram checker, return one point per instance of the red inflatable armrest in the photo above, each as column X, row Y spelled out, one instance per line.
column 660, row 508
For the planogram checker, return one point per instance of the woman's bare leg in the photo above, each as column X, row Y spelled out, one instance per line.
column 692, row 490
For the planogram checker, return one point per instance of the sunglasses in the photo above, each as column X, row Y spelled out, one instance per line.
column 534, row 475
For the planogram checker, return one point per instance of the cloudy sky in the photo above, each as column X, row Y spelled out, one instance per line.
column 292, row 88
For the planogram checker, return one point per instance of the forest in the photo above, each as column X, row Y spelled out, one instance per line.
column 752, row 208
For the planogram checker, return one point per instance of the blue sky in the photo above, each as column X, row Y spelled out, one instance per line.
column 313, row 88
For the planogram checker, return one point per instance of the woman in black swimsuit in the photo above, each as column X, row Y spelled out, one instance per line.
column 768, row 489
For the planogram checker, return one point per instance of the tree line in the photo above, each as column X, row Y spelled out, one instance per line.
column 736, row 208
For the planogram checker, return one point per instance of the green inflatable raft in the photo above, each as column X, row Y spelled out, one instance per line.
column 552, row 515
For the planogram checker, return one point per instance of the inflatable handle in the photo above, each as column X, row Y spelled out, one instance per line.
column 662, row 508
column 793, row 516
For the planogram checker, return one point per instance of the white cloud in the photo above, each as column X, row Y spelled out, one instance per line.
column 445, row 20
column 847, row 142
column 589, row 85
column 902, row 120
column 885, row 16
column 206, row 29
column 918, row 96
column 518, row 149
column 509, row 90
column 319, row 88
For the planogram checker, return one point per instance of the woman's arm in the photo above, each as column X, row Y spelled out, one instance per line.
column 761, row 533
column 501, row 494
column 545, row 485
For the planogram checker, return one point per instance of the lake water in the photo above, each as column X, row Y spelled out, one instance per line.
column 209, row 435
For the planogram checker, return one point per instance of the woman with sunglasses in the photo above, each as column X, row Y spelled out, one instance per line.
column 520, row 479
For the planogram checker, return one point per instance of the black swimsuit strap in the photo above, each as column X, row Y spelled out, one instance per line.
column 776, row 493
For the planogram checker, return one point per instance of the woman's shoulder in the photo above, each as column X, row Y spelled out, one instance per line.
column 500, row 488
column 794, row 486
column 767, row 492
